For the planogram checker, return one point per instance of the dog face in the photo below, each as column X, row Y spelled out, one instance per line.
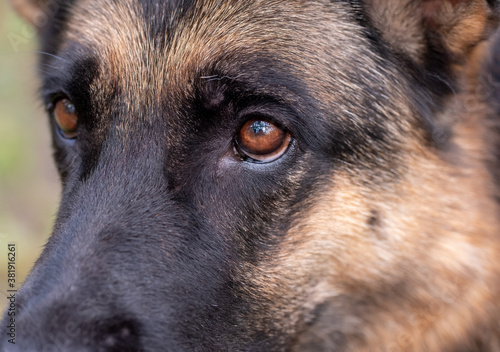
column 267, row 176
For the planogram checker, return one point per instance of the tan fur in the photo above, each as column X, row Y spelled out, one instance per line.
column 464, row 26
column 437, row 234
column 450, row 269
column 412, row 246
column 435, row 225
column 114, row 33
column 460, row 24
column 401, row 24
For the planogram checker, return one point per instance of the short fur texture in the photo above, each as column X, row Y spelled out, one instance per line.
column 378, row 229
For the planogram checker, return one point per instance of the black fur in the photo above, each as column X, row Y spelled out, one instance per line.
column 154, row 226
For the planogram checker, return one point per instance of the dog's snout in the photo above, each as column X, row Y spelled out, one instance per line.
column 47, row 333
column 73, row 323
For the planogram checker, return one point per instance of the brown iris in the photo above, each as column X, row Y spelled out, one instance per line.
column 262, row 140
column 66, row 117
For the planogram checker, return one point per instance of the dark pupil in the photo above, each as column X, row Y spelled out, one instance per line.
column 260, row 127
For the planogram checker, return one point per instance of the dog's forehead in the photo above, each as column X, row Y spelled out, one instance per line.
column 146, row 45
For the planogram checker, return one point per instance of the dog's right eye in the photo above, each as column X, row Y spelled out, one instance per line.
column 65, row 116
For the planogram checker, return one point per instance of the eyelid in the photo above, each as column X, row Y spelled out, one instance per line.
column 52, row 98
column 264, row 116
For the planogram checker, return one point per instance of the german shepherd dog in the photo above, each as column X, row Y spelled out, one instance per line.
column 269, row 175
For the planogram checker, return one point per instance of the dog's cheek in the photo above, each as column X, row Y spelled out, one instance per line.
column 371, row 244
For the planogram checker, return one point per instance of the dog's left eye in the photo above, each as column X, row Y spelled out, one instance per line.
column 65, row 116
column 262, row 141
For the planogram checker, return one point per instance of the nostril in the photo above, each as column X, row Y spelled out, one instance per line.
column 115, row 337
column 121, row 337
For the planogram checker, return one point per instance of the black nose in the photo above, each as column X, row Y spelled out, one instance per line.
column 59, row 328
column 114, row 335
column 120, row 337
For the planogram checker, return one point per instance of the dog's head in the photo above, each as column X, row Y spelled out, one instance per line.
column 265, row 176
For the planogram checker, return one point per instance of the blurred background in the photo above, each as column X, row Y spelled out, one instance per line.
column 29, row 185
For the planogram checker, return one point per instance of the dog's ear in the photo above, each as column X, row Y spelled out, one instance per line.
column 421, row 27
column 35, row 12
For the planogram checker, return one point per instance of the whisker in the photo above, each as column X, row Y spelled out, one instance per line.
column 51, row 55
column 216, row 78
